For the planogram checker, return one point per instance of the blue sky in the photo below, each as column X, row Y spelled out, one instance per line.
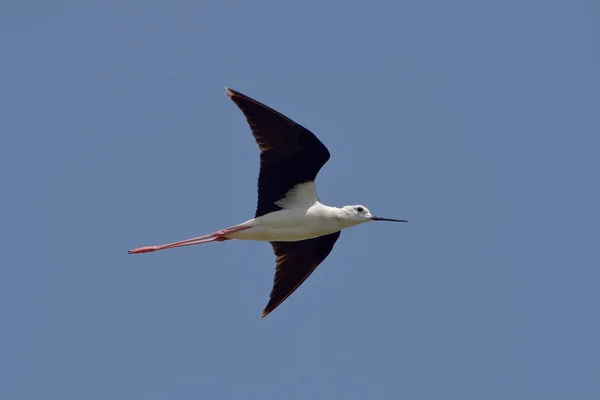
column 478, row 121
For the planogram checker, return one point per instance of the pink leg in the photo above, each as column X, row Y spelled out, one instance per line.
column 218, row 236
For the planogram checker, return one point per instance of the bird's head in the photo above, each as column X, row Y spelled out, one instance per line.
column 358, row 214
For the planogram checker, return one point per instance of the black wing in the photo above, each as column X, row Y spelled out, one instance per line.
column 290, row 154
column 295, row 262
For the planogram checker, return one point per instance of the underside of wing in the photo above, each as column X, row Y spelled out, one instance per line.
column 290, row 154
column 295, row 262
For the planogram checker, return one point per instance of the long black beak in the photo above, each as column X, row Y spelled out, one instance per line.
column 387, row 219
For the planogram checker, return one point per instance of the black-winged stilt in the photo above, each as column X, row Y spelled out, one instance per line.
column 301, row 230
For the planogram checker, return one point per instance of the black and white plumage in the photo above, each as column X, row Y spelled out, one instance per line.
column 289, row 215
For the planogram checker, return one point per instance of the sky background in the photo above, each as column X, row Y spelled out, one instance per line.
column 478, row 121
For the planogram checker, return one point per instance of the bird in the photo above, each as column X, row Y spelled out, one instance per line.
column 301, row 230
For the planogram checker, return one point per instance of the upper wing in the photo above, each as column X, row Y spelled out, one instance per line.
column 290, row 154
column 295, row 262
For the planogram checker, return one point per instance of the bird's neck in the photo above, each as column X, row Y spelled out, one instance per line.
column 340, row 215
column 332, row 212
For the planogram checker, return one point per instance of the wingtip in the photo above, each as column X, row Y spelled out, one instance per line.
column 229, row 92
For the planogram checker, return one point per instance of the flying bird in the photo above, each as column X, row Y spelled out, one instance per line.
column 289, row 215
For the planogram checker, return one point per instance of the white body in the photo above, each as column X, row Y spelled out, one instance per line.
column 293, row 224
column 302, row 217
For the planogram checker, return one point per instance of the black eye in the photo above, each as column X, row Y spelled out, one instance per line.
column 360, row 209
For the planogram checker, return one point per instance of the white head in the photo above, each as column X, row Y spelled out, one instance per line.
column 358, row 214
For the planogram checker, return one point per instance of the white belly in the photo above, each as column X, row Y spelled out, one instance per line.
column 275, row 235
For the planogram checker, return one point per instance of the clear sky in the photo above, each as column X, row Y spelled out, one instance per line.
column 478, row 121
